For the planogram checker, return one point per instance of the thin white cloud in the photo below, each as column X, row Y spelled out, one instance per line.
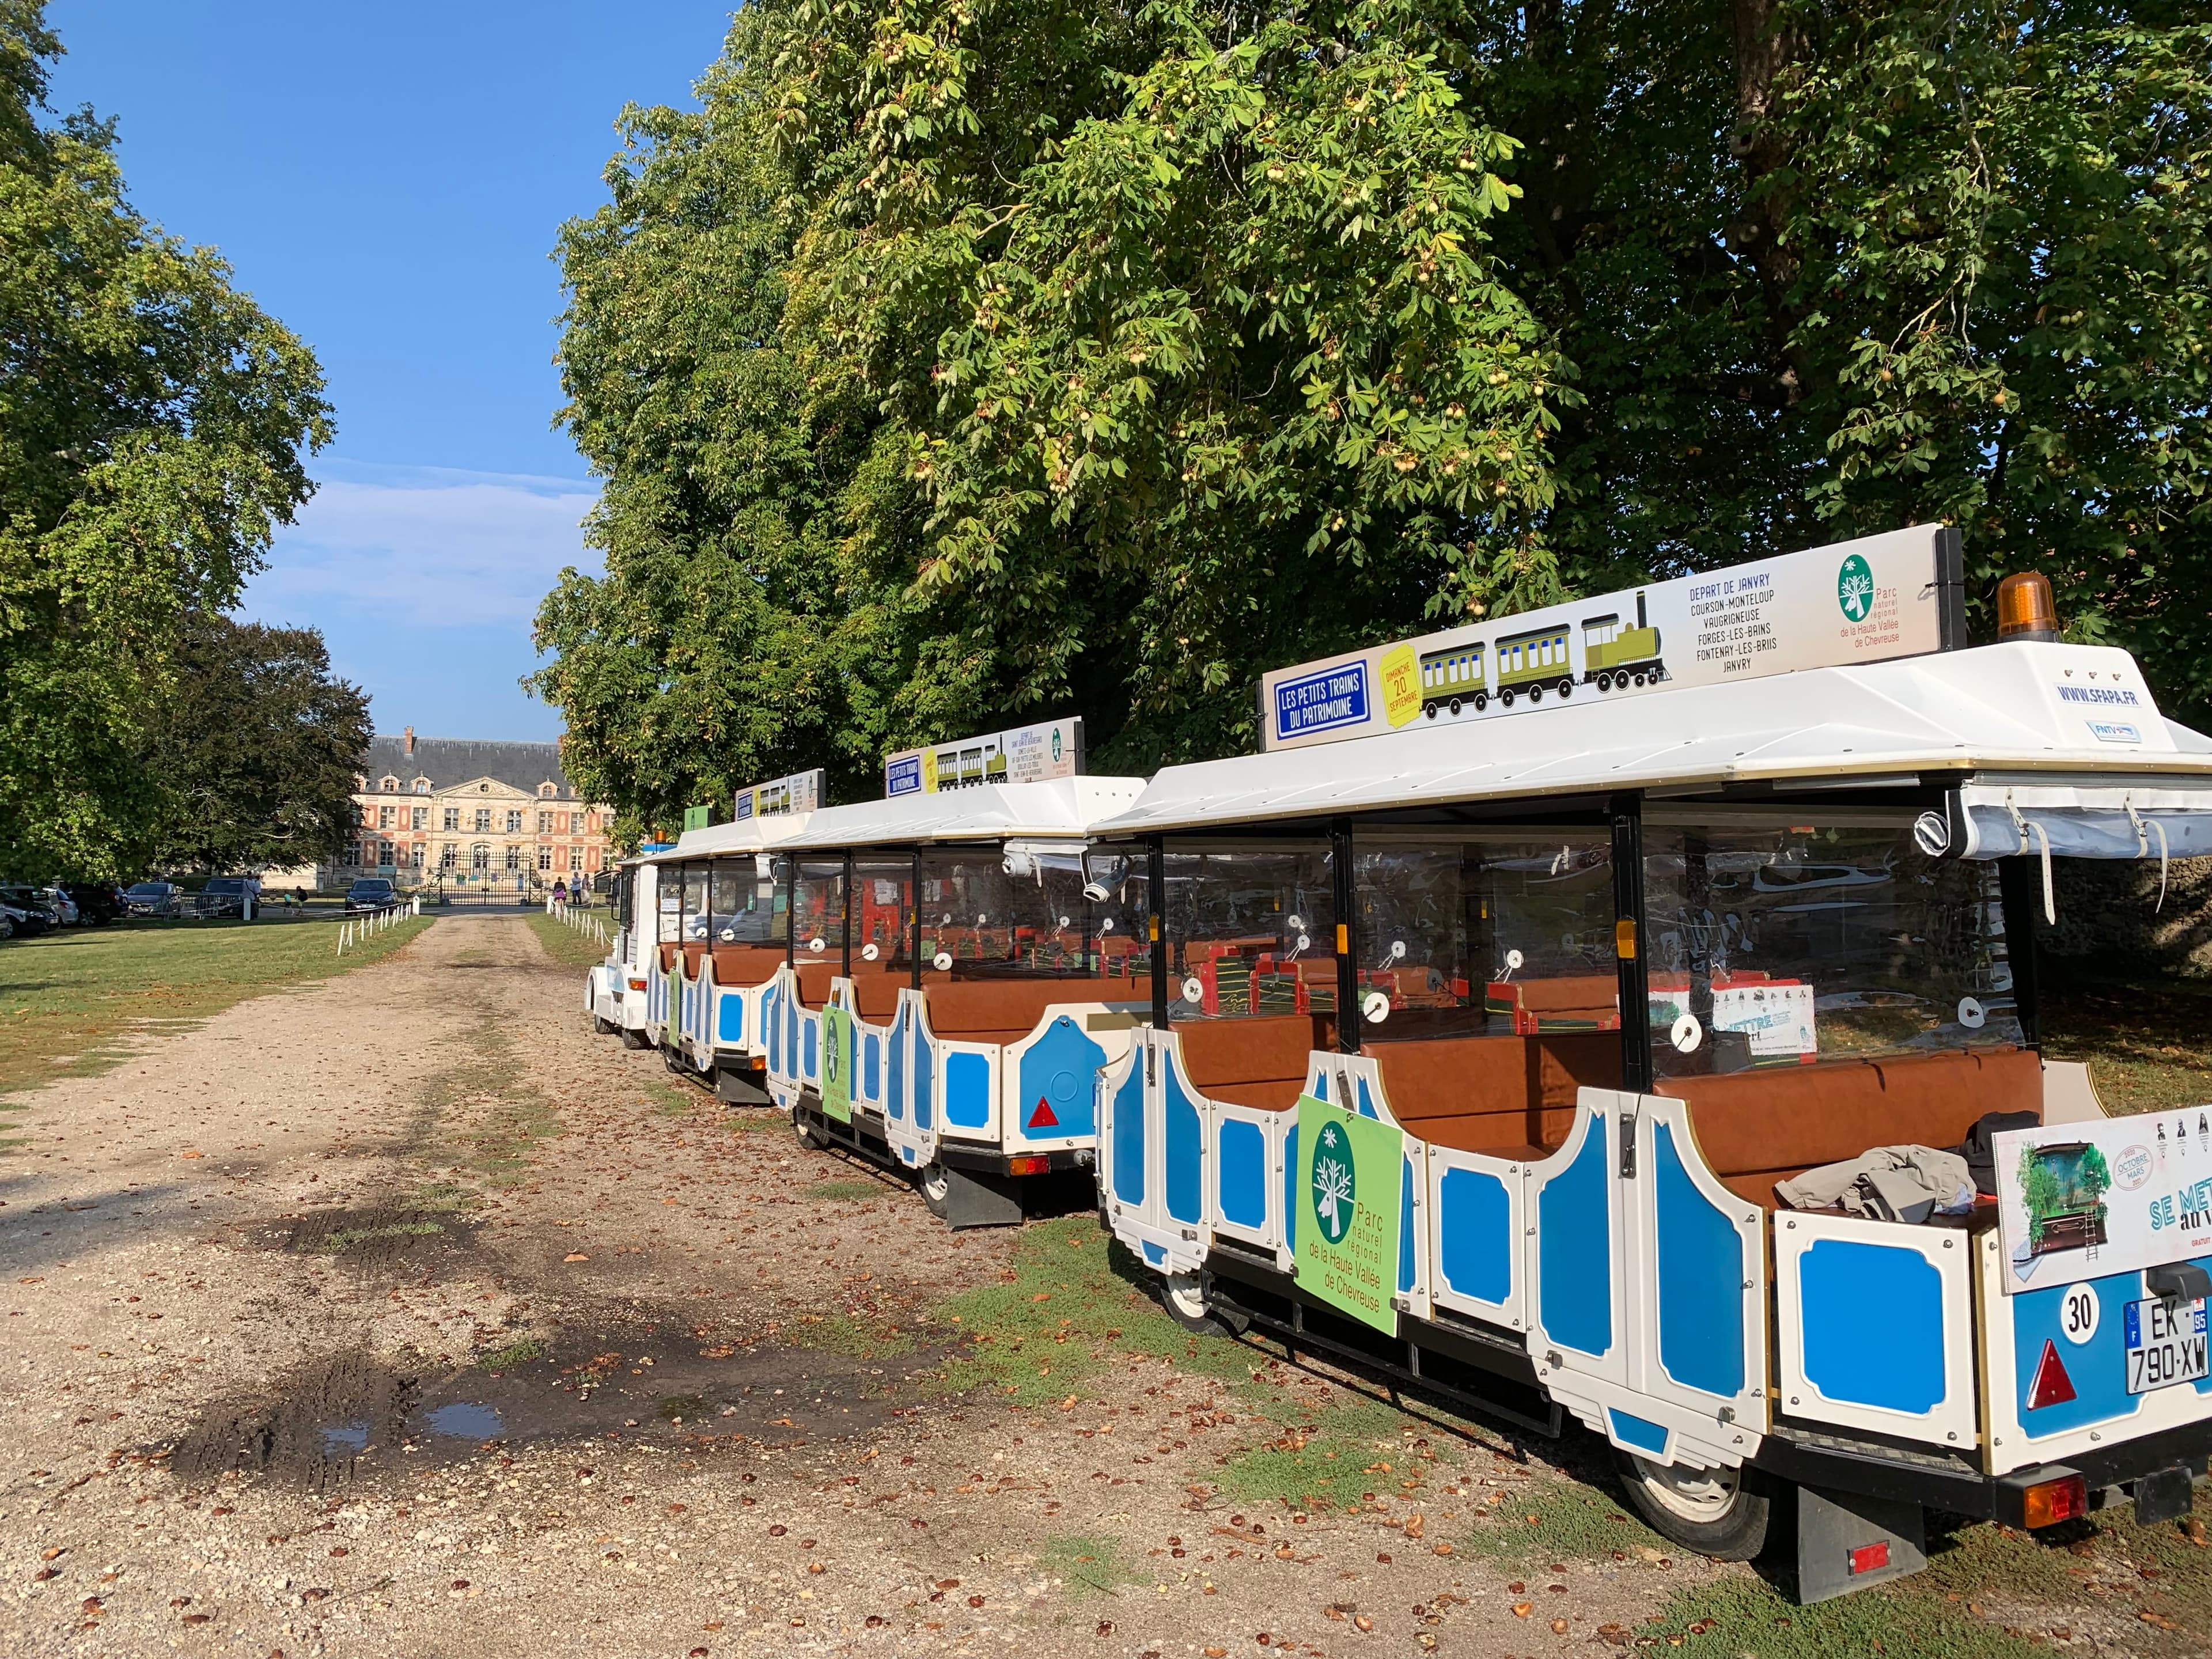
column 424, row 547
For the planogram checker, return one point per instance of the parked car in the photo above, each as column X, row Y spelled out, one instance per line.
column 231, row 895
column 98, row 902
column 20, row 916
column 153, row 898
column 370, row 893
column 60, row 906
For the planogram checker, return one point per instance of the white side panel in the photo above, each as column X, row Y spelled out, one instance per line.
column 1477, row 1256
column 1874, row 1326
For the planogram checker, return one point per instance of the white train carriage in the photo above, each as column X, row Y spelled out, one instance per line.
column 1482, row 1053
column 722, row 937
column 616, row 990
column 961, row 965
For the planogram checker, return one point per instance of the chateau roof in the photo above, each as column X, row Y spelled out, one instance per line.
column 448, row 760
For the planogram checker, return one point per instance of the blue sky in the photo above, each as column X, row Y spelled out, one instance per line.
column 389, row 181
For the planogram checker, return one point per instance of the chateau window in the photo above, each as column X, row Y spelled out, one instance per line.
column 514, row 823
column 575, row 858
column 384, row 817
column 421, row 820
column 484, row 820
column 422, row 786
column 514, row 858
column 545, row 858
column 383, row 853
column 575, row 823
column 415, row 856
column 479, row 857
column 448, row 856
column 544, row 824
column 391, row 786
column 452, row 817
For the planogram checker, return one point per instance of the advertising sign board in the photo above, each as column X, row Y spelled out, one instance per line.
column 1022, row 754
column 1893, row 595
column 1348, row 1193
column 2110, row 1195
column 799, row 792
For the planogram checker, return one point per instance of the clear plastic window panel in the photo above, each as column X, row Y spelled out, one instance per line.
column 1793, row 938
column 695, row 904
column 742, row 907
column 668, row 897
column 883, row 913
column 1251, row 929
column 1042, row 908
column 817, row 909
column 1481, row 932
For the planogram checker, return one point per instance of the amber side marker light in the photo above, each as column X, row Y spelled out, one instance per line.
column 2048, row 1502
column 2025, row 610
column 1029, row 1166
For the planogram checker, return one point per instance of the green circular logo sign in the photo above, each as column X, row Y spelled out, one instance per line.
column 1055, row 743
column 1335, row 1187
column 1854, row 588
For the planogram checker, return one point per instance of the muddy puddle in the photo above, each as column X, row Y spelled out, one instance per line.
column 371, row 1237
column 342, row 1421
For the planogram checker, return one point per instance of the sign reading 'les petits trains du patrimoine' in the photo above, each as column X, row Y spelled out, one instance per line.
column 799, row 792
column 1026, row 753
column 1859, row 601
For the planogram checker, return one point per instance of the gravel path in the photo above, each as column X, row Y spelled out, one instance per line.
column 399, row 1315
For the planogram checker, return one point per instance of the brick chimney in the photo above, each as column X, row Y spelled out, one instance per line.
column 410, row 740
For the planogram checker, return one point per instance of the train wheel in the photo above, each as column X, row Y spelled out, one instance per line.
column 1481, row 701
column 807, row 1136
column 937, row 1191
column 1536, row 694
column 1639, row 682
column 1429, row 709
column 1183, row 1296
column 1455, row 705
column 1712, row 1511
column 1566, row 686
column 1506, row 699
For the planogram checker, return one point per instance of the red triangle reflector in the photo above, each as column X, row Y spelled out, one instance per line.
column 2051, row 1387
column 1042, row 1118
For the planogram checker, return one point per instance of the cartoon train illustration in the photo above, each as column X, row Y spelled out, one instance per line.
column 976, row 763
column 1532, row 663
column 1617, row 656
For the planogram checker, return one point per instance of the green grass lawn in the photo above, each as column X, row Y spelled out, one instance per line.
column 69, row 1000
column 565, row 944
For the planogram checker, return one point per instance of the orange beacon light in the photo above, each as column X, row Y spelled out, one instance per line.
column 2024, row 608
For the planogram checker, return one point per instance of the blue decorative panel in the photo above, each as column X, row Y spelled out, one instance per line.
column 1475, row 1235
column 1873, row 1321
column 1366, row 1100
column 1701, row 1274
column 872, row 1065
column 1574, row 1248
column 1181, row 1148
column 733, row 1018
column 1060, row 1073
column 813, row 1032
column 1154, row 1253
column 1290, row 1188
column 1129, row 1137
column 967, row 1091
column 1405, row 1210
column 895, row 1100
column 1242, row 1163
column 2097, row 1367
column 1640, row 1432
column 924, row 1079
column 771, row 1016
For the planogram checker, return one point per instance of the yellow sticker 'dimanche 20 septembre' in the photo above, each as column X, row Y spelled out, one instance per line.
column 1400, row 671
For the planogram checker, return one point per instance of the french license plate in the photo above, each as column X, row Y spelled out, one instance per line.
column 2166, row 1344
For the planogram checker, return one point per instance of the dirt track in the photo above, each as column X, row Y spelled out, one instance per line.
column 401, row 1316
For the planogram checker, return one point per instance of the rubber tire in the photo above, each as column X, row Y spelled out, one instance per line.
column 634, row 1039
column 938, row 1201
column 7, row 926
column 603, row 1027
column 1736, row 1532
column 807, row 1137
column 1183, row 1295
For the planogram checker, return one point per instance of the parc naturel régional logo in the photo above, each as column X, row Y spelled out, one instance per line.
column 1854, row 588
column 1335, row 1189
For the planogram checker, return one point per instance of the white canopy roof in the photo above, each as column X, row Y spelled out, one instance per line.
column 987, row 811
column 2082, row 712
column 754, row 835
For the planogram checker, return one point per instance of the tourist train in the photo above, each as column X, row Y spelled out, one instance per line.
column 1601, row 1064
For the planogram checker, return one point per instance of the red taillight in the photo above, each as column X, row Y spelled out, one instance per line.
column 1029, row 1165
column 2048, row 1502
column 637, row 985
column 1870, row 1557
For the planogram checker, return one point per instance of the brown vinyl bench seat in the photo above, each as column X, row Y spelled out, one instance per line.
column 1258, row 1060
column 1756, row 1127
column 746, row 965
column 1504, row 1096
column 1006, row 1010
column 668, row 957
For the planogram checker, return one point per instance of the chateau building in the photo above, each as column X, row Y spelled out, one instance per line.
column 464, row 815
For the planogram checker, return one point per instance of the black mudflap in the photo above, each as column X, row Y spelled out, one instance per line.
column 976, row 1199
column 1846, row 1542
column 738, row 1088
column 2164, row 1495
